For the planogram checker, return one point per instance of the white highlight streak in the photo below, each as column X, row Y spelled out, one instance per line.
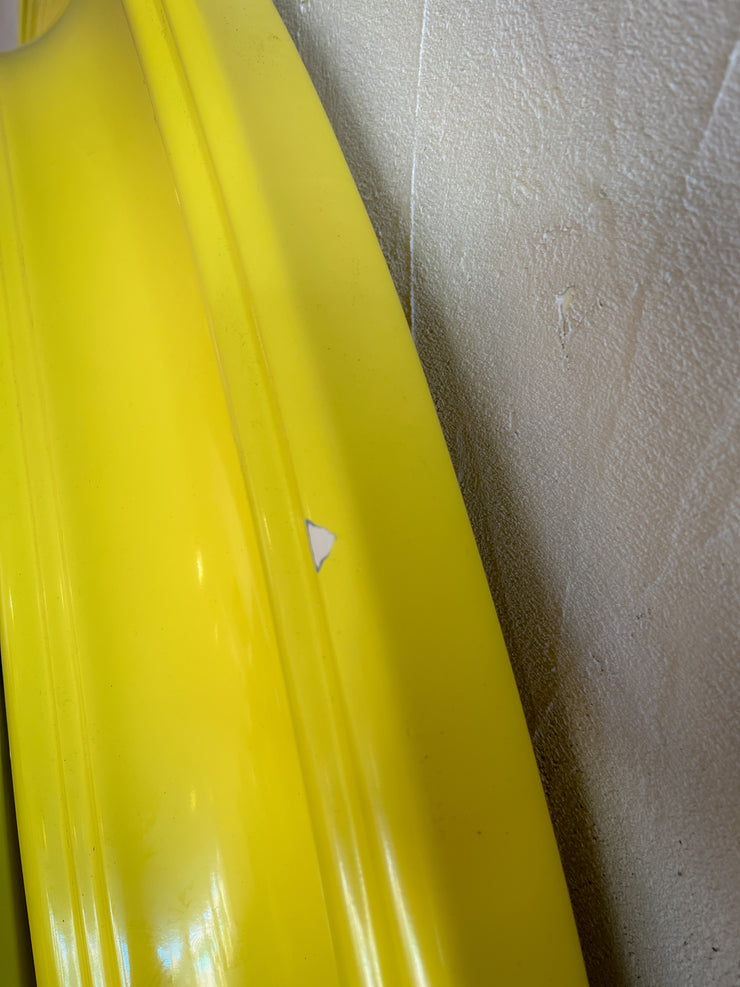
column 412, row 217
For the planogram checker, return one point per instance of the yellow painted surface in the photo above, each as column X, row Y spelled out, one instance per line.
column 229, row 767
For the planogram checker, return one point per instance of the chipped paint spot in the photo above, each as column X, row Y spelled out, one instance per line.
column 565, row 300
column 321, row 541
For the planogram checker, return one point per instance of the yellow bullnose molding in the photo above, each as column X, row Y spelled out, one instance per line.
column 262, row 723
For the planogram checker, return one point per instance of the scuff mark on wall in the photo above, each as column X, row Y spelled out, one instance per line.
column 564, row 302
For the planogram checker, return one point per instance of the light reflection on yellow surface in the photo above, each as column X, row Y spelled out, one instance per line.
column 405, row 921
column 361, row 928
column 124, row 963
column 203, row 952
column 62, row 937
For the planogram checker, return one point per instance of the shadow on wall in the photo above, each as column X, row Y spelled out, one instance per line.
column 526, row 620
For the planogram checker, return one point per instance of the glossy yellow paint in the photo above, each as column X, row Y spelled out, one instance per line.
column 229, row 767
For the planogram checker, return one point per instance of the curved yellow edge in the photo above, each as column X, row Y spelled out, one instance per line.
column 262, row 722
column 35, row 17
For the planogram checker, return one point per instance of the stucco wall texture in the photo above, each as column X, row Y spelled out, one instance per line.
column 556, row 186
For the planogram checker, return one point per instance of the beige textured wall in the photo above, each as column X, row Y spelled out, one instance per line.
column 556, row 185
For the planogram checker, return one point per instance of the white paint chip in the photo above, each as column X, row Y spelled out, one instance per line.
column 321, row 541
